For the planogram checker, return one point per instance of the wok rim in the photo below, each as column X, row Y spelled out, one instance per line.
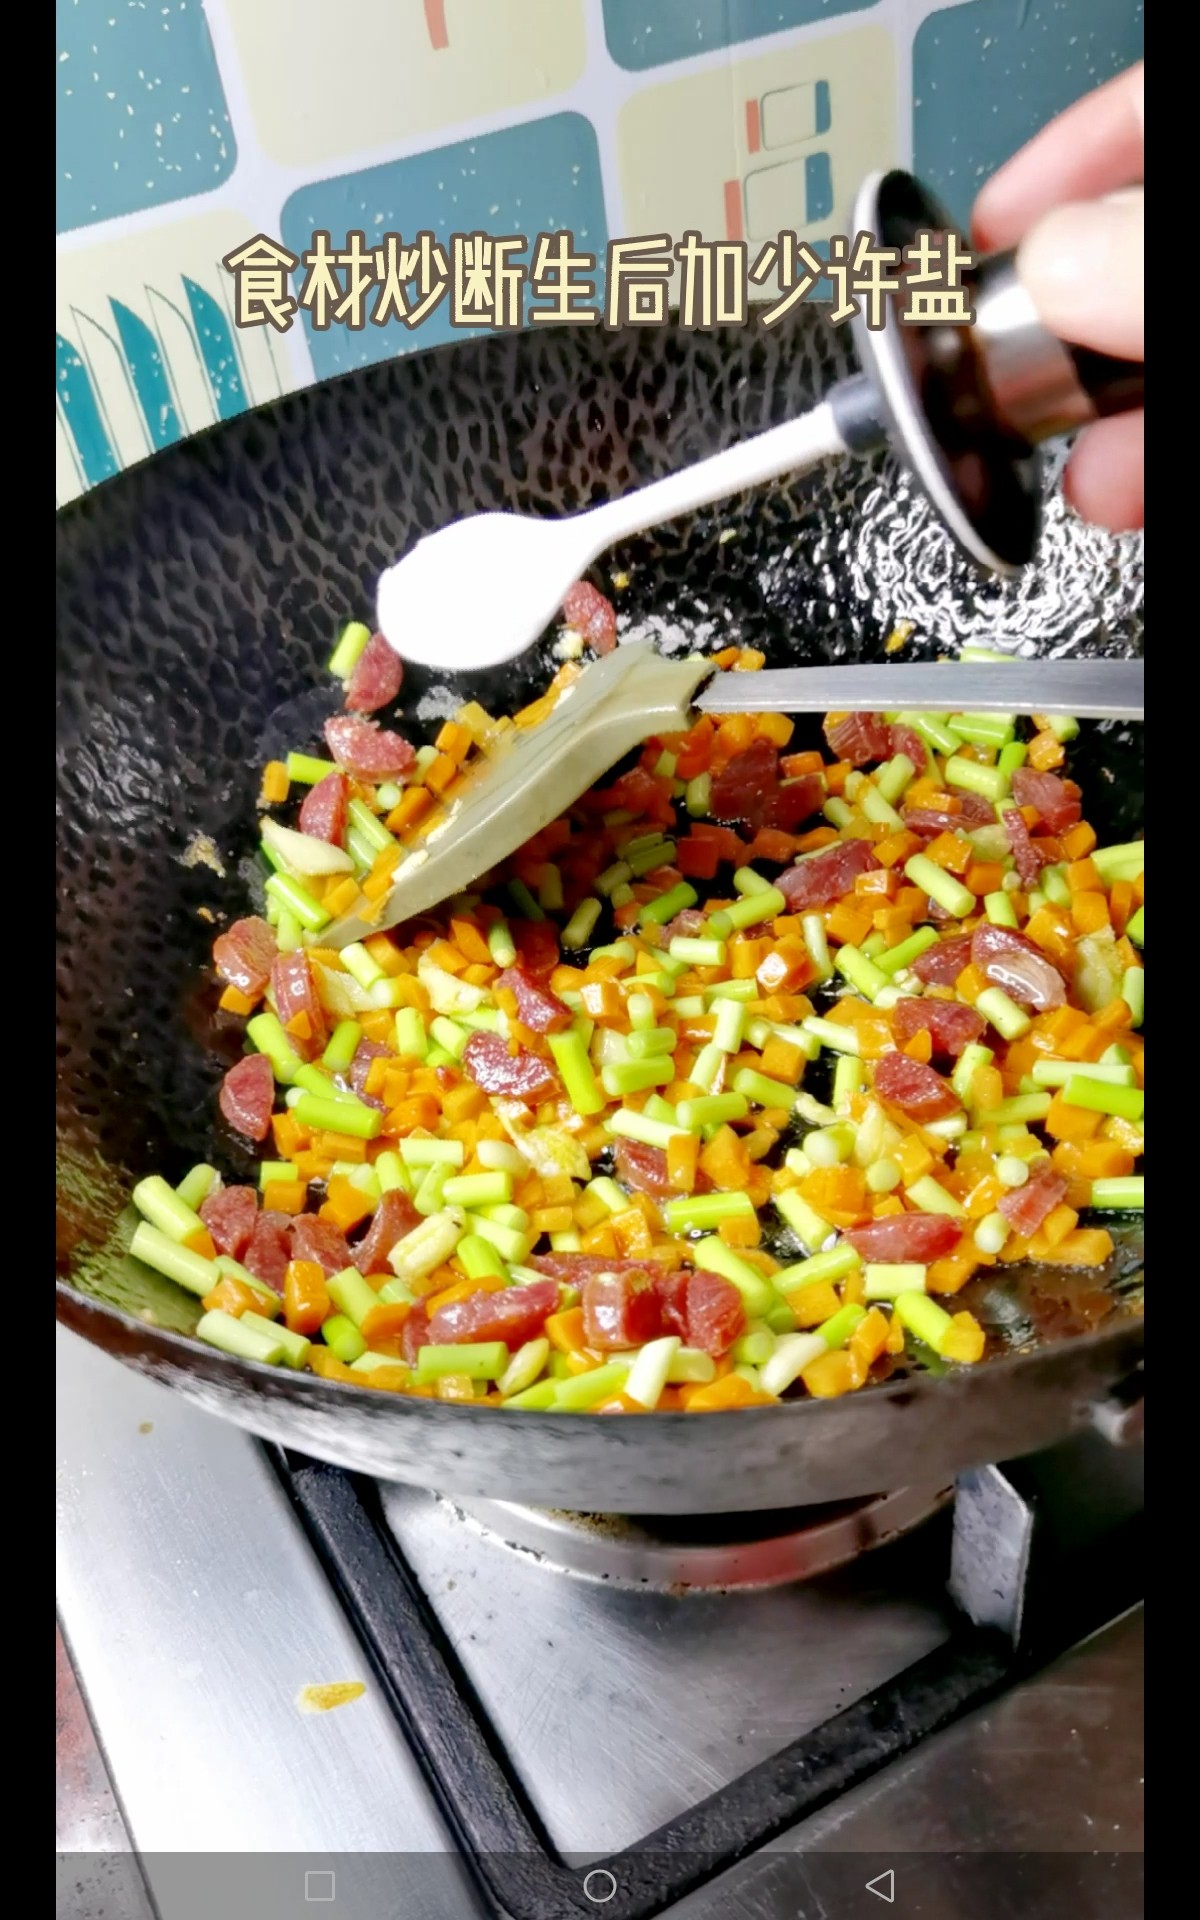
column 1127, row 1332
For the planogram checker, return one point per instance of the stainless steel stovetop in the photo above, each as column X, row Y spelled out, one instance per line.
column 606, row 1708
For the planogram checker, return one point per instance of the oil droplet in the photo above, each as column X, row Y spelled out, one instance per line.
column 324, row 1699
column 145, row 1426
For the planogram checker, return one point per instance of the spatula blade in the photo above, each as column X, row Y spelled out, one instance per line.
column 1087, row 689
column 533, row 776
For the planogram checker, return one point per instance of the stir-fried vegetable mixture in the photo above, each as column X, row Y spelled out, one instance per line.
column 529, row 1152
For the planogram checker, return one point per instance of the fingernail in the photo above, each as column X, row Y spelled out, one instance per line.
column 1078, row 258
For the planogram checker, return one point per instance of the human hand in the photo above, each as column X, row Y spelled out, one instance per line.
column 1072, row 203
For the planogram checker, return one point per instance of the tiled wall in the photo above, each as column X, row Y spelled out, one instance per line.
column 186, row 126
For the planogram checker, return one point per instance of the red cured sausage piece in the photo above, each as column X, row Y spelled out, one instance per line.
column 860, row 737
column 325, row 809
column 392, row 1219
column 940, row 966
column 513, row 1314
column 920, row 1237
column 826, row 876
column 269, row 1251
column 294, row 991
column 243, row 954
column 620, row 1310
column 705, row 1310
column 537, row 1008
column 365, row 1053
column 1025, row 1208
column 536, row 942
column 1011, row 961
column 377, row 677
column 493, row 1068
column 1027, row 859
column 592, row 616
column 230, row 1216
column 908, row 741
column 949, row 1024
column 319, row 1241
column 575, row 1268
column 248, row 1095
column 913, row 1087
column 643, row 1168
column 415, row 1333
column 1055, row 804
column 366, row 750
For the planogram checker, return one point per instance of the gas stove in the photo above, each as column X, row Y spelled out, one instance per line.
column 930, row 1700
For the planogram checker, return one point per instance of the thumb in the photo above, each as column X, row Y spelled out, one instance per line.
column 1082, row 267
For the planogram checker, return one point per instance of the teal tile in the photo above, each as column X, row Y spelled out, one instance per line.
column 988, row 75
column 542, row 177
column 142, row 118
column 645, row 33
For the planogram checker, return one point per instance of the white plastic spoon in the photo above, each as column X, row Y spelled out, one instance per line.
column 481, row 590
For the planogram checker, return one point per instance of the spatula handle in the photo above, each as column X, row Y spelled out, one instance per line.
column 795, row 447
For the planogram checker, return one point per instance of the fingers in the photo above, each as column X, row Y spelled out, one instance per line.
column 1105, row 479
column 1082, row 267
column 1093, row 148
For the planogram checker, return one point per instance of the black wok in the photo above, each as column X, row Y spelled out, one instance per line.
column 197, row 597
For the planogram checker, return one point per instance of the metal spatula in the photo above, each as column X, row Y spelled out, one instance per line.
column 634, row 693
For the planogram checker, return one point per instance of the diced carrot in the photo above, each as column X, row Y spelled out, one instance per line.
column 964, row 1339
column 602, row 1240
column 1089, row 912
column 718, row 1395
column 417, row 1113
column 232, row 1296
column 1086, row 1247
column 306, row 1302
column 952, row 1271
column 1051, row 930
column 794, row 765
column 1092, row 1160
column 201, row 1242
column 813, row 1303
column 782, row 1061
column 987, row 1088
column 971, row 982
column 697, row 859
column 869, row 1338
column 920, row 1046
column 726, row 1161
column 746, row 955
column 984, row 876
column 414, row 803
column 895, row 848
column 565, row 1330
column 912, row 1157
column 775, row 727
column 275, row 784
column 1063, row 1122
column 285, row 1196
column 835, row 1190
column 632, row 1234
column 233, row 1000
column 950, row 851
column 339, row 1146
column 1045, row 752
column 683, row 1151
column 848, row 923
column 834, row 1374
column 329, row 1367
column 345, row 1204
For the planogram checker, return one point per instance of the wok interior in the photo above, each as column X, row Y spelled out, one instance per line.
column 198, row 597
